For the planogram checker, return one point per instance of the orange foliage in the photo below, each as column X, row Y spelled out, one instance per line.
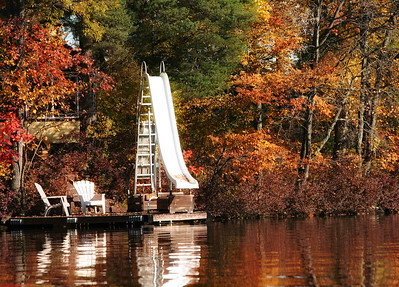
column 286, row 91
column 248, row 154
column 34, row 65
column 388, row 157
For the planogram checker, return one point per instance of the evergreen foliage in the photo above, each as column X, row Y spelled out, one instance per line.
column 201, row 41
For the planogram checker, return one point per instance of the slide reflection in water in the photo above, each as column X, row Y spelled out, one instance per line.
column 170, row 256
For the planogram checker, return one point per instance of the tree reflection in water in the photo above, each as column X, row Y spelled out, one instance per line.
column 340, row 251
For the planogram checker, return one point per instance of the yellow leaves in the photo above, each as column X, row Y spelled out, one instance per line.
column 104, row 128
column 94, row 30
column 87, row 10
column 274, row 37
column 263, row 10
column 5, row 170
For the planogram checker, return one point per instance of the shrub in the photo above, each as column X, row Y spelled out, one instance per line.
column 65, row 164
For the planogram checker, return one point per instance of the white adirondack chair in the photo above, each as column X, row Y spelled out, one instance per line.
column 85, row 190
column 61, row 201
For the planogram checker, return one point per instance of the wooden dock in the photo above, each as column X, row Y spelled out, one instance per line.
column 124, row 220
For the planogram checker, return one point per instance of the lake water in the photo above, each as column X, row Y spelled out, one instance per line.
column 334, row 251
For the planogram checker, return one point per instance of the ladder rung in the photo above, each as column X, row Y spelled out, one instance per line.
column 144, row 175
column 144, row 152
column 146, row 104
column 143, row 184
column 144, row 165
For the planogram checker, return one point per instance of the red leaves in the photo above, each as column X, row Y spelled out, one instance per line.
column 10, row 131
column 34, row 66
column 35, row 62
column 188, row 156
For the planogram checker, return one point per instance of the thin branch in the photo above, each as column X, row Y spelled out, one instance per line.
column 331, row 128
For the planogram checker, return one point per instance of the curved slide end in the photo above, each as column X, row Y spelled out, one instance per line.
column 182, row 182
column 167, row 134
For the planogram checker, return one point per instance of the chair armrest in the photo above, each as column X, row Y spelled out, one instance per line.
column 62, row 197
column 98, row 196
column 57, row 196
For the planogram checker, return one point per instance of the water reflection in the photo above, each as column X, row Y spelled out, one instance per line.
column 150, row 256
column 347, row 251
column 91, row 251
column 170, row 256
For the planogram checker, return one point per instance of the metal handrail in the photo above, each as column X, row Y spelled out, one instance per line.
column 162, row 67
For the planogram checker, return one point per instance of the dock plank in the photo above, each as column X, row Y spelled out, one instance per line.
column 171, row 217
column 107, row 220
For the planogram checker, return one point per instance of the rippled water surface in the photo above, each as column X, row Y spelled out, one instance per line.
column 343, row 251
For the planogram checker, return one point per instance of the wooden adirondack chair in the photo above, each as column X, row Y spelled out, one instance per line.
column 85, row 190
column 61, row 201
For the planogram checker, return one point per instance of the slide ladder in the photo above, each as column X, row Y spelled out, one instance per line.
column 157, row 137
column 147, row 163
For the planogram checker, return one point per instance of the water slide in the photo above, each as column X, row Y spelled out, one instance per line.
column 167, row 134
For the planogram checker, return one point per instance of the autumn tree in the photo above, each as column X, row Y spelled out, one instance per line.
column 272, row 40
column 365, row 45
column 268, row 79
column 33, row 69
column 99, row 29
column 377, row 27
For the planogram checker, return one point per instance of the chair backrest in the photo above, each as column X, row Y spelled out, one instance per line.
column 85, row 189
column 42, row 194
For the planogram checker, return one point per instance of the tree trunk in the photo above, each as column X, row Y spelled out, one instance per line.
column 341, row 134
column 259, row 125
column 306, row 150
column 17, row 166
column 17, row 183
column 364, row 104
column 369, row 152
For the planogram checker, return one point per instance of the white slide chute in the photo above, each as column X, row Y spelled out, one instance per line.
column 167, row 134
